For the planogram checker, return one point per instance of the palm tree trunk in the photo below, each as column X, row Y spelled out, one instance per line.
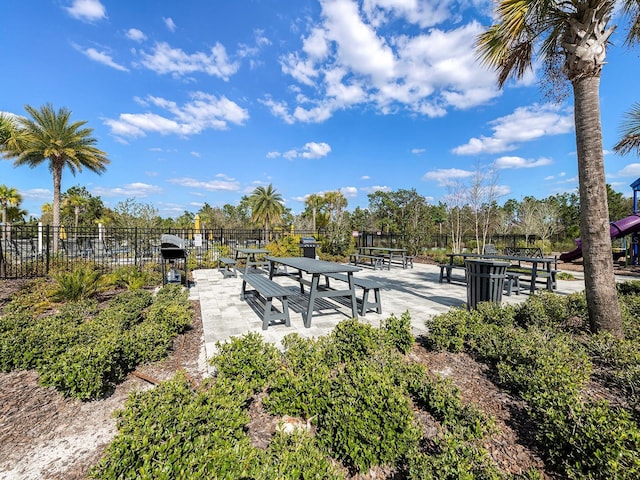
column 599, row 277
column 57, row 180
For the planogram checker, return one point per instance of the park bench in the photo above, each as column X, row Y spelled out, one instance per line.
column 408, row 261
column 367, row 285
column 512, row 283
column 268, row 289
column 446, row 269
column 227, row 266
column 374, row 260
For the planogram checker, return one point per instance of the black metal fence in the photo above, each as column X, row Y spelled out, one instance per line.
column 29, row 251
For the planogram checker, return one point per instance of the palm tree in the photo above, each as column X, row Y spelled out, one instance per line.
column 6, row 128
column 50, row 135
column 571, row 38
column 630, row 132
column 9, row 196
column 76, row 202
column 266, row 208
column 314, row 202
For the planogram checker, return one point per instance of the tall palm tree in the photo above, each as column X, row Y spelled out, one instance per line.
column 50, row 135
column 630, row 132
column 571, row 37
column 9, row 197
column 266, row 208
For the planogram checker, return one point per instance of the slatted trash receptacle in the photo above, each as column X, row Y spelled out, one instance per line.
column 485, row 281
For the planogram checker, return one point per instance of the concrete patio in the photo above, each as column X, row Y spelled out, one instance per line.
column 416, row 289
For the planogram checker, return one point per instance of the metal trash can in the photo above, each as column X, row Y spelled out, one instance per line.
column 485, row 281
column 308, row 246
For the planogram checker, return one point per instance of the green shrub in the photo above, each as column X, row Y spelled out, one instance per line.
column 297, row 457
column 442, row 399
column 129, row 277
column 450, row 458
column 551, row 310
column 631, row 287
column 286, row 246
column 588, row 440
column 369, row 420
column 398, row 331
column 449, row 331
column 353, row 340
column 248, row 358
column 80, row 283
column 174, row 432
column 300, row 387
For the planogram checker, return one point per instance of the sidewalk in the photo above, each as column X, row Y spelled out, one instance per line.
column 415, row 289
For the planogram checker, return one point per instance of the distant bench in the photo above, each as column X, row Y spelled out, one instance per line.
column 367, row 285
column 446, row 269
column 268, row 289
column 374, row 260
column 227, row 266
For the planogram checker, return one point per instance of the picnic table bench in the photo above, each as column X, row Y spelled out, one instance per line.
column 268, row 289
column 447, row 268
column 227, row 266
column 374, row 260
column 367, row 285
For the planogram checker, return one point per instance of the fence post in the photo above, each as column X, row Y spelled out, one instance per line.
column 135, row 245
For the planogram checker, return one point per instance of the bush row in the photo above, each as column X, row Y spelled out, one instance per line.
column 354, row 387
column 539, row 351
column 83, row 351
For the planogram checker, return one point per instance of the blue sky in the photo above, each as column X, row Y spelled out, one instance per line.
column 202, row 101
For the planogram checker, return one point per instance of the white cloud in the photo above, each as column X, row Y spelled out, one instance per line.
column 203, row 112
column 315, row 150
column 164, row 59
column 87, row 10
column 376, row 188
column 365, row 177
column 525, row 124
column 37, row 194
column 519, row 162
column 311, row 150
column 102, row 57
column 169, row 23
column 445, row 176
column 226, row 184
column 130, row 190
column 352, row 58
column 136, row 35
column 418, row 151
column 631, row 170
column 349, row 192
column 196, row 154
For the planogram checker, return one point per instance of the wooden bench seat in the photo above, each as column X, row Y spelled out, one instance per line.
column 227, row 266
column 268, row 289
column 367, row 285
column 512, row 283
column 374, row 260
column 449, row 268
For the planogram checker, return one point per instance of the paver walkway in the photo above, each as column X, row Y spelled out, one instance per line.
column 417, row 290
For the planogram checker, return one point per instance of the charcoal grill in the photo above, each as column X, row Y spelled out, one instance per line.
column 174, row 252
column 308, row 246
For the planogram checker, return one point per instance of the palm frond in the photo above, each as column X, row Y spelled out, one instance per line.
column 630, row 131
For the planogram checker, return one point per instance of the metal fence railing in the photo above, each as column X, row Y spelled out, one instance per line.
column 29, row 250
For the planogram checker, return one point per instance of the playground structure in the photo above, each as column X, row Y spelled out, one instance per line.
column 619, row 229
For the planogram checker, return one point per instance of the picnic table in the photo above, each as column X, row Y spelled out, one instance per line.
column 540, row 266
column 316, row 268
column 248, row 255
column 386, row 254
